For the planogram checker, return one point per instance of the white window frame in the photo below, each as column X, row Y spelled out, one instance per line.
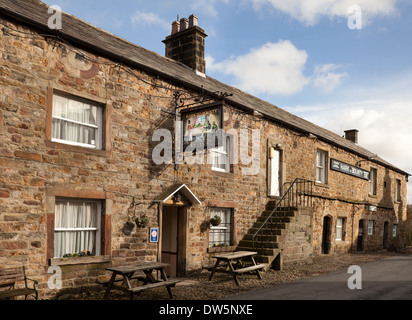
column 339, row 229
column 222, row 152
column 98, row 127
column 98, row 230
column 371, row 227
column 394, row 230
column 225, row 226
column 373, row 181
column 321, row 166
column 398, row 189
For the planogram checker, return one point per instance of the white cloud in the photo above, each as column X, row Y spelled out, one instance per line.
column 274, row 68
column 149, row 19
column 385, row 127
column 207, row 7
column 309, row 12
column 326, row 79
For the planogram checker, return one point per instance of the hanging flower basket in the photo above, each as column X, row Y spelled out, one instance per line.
column 215, row 221
column 142, row 221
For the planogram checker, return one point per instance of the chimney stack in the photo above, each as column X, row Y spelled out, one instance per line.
column 352, row 135
column 186, row 44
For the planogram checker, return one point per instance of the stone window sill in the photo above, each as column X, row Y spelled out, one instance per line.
column 221, row 249
column 79, row 260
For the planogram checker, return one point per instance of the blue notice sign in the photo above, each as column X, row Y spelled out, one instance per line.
column 154, row 234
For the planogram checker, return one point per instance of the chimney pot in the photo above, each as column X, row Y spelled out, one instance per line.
column 186, row 44
column 193, row 21
column 175, row 27
column 352, row 135
column 184, row 24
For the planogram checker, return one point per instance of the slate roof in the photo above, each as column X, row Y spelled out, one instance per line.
column 87, row 36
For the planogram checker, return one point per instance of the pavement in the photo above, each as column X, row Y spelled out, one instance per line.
column 386, row 279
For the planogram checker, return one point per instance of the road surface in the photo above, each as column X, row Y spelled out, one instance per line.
column 386, row 279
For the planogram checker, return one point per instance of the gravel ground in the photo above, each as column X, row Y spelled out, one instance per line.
column 197, row 287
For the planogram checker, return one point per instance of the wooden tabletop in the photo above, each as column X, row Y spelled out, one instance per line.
column 235, row 255
column 137, row 267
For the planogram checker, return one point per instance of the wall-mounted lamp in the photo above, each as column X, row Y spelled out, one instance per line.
column 367, row 159
column 257, row 114
column 271, row 153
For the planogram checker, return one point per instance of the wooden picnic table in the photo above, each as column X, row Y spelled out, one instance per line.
column 128, row 273
column 234, row 264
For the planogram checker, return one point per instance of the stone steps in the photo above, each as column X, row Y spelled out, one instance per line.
column 270, row 235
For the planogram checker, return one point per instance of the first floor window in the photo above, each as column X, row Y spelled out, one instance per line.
column 221, row 156
column 340, row 228
column 371, row 227
column 77, row 227
column 76, row 122
column 373, row 181
column 221, row 235
column 321, row 166
column 398, row 194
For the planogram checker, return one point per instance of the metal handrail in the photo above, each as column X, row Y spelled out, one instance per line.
column 291, row 198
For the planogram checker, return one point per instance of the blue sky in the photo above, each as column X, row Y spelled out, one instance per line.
column 299, row 55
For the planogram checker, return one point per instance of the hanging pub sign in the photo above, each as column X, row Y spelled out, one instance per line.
column 349, row 169
column 200, row 121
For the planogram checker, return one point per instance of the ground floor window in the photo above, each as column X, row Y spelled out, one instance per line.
column 220, row 235
column 394, row 230
column 371, row 227
column 77, row 227
column 340, row 229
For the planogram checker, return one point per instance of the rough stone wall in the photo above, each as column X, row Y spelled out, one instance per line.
column 297, row 244
column 34, row 170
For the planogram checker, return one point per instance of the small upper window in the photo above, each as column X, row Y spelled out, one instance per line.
column 77, row 122
column 321, row 166
column 398, row 193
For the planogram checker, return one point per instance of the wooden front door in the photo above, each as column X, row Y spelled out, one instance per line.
column 326, row 236
column 174, row 239
column 275, row 176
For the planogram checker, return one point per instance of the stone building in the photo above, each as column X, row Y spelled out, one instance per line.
column 96, row 131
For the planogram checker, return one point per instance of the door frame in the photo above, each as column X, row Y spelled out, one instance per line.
column 385, row 239
column 182, row 236
column 361, row 233
column 278, row 148
column 326, row 235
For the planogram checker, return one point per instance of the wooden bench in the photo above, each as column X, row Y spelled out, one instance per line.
column 251, row 268
column 127, row 274
column 8, row 279
column 167, row 284
column 234, row 265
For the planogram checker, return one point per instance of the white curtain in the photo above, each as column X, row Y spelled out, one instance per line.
column 71, row 218
column 71, row 119
column 220, row 234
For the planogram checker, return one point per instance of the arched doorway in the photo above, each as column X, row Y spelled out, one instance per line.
column 385, row 235
column 326, row 235
column 360, row 236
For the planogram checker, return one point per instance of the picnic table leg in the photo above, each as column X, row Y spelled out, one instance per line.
column 164, row 277
column 109, row 286
column 214, row 269
column 233, row 272
column 257, row 271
